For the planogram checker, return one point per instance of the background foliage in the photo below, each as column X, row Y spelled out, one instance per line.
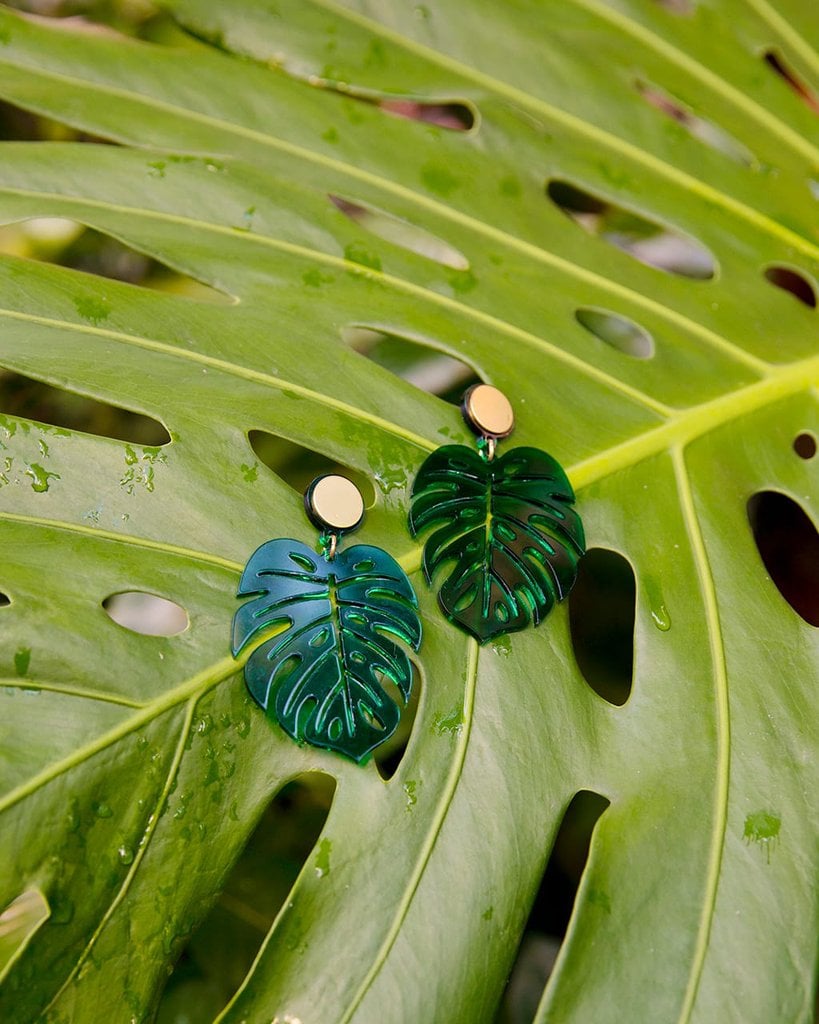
column 321, row 222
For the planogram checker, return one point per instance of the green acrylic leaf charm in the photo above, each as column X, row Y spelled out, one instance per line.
column 320, row 676
column 508, row 526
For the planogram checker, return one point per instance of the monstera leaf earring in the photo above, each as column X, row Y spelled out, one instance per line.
column 505, row 524
column 331, row 627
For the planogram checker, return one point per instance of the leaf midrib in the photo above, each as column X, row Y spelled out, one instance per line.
column 714, row 630
column 682, row 430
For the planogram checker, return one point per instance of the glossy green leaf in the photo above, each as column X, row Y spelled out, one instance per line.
column 507, row 526
column 135, row 767
column 321, row 675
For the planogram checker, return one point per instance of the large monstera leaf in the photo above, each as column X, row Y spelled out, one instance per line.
column 321, row 678
column 135, row 767
column 507, row 526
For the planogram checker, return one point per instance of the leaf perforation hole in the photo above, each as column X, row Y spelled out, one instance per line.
column 401, row 233
column 19, row 922
column 5, row 600
column 553, row 908
column 793, row 281
column 72, row 244
column 788, row 544
column 647, row 241
column 779, row 64
column 222, row 947
column 146, row 613
column 389, row 754
column 602, row 607
column 299, row 466
column 451, row 114
column 805, row 445
column 617, row 331
column 426, row 367
column 699, row 128
column 60, row 406
column 454, row 115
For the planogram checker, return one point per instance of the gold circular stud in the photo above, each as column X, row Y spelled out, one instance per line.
column 334, row 503
column 488, row 411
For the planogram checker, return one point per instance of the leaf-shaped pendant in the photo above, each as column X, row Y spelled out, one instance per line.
column 320, row 674
column 508, row 525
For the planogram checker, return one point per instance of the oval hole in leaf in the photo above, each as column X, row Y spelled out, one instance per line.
column 790, row 280
column 423, row 366
column 552, row 909
column 777, row 63
column 618, row 331
column 601, row 621
column 221, row 950
column 804, row 445
column 68, row 243
column 62, row 407
column 705, row 131
column 454, row 115
column 5, row 600
column 788, row 544
column 299, row 466
column 18, row 924
column 388, row 755
column 646, row 240
column 146, row 613
column 402, row 233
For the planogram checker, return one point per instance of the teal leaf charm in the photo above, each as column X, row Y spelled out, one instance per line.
column 320, row 675
column 508, row 527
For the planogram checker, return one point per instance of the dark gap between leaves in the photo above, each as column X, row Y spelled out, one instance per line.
column 423, row 366
column 61, row 407
column 20, row 125
column 401, row 233
column 804, row 445
column 788, row 544
column 299, row 466
column 221, row 950
column 601, row 622
column 617, row 331
column 777, row 63
column 148, row 614
column 388, row 755
column 645, row 240
column 698, row 127
column 792, row 281
column 552, row 910
column 68, row 243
